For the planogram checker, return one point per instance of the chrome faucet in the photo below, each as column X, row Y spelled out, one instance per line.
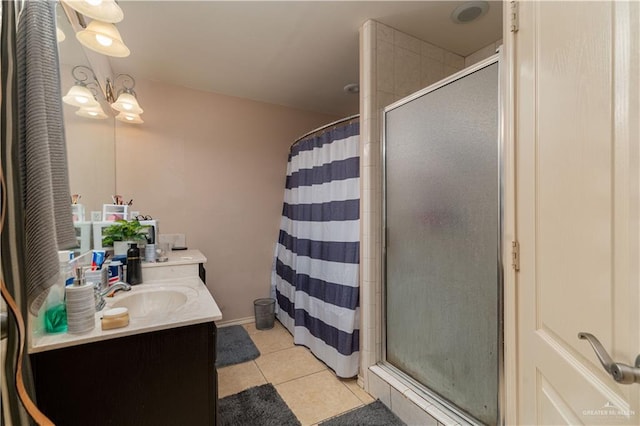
column 109, row 292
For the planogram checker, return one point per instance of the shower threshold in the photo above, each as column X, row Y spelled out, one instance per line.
column 419, row 395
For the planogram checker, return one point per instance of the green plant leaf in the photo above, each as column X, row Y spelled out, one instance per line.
column 123, row 230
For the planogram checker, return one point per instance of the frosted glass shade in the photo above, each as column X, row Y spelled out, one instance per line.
column 60, row 35
column 129, row 118
column 103, row 38
column 127, row 103
column 103, row 10
column 92, row 112
column 80, row 96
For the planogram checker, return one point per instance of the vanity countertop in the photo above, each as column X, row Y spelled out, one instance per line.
column 200, row 307
column 179, row 257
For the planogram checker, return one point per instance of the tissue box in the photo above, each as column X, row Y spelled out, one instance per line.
column 112, row 212
column 99, row 278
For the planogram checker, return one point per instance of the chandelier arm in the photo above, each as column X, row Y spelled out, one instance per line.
column 127, row 81
column 83, row 75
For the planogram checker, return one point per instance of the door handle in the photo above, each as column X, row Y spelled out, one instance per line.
column 621, row 373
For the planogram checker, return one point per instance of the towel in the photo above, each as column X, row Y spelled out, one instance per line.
column 42, row 160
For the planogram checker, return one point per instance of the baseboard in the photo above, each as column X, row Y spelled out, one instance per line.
column 238, row 321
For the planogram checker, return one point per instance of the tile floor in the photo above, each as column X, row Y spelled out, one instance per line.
column 310, row 389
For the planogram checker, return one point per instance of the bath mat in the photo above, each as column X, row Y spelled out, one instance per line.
column 374, row 414
column 258, row 406
column 234, row 346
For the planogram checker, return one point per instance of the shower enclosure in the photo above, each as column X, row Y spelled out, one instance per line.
column 442, row 217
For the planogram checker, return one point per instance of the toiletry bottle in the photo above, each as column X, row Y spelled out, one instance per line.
column 134, row 266
column 150, row 248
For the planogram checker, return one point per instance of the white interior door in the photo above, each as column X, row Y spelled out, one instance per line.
column 577, row 221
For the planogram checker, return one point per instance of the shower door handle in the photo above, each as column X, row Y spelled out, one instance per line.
column 621, row 373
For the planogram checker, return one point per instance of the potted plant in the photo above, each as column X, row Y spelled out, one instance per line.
column 122, row 233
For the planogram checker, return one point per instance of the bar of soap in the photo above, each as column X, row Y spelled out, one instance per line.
column 115, row 318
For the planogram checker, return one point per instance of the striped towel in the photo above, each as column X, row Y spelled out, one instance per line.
column 42, row 160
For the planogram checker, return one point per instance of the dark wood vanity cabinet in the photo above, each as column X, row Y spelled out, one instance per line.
column 164, row 377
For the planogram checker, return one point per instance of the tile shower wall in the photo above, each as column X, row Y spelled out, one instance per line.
column 481, row 54
column 392, row 65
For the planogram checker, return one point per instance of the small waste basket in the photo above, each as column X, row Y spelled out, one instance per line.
column 265, row 313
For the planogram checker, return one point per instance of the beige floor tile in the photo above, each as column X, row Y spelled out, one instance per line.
column 251, row 327
column 362, row 394
column 239, row 377
column 288, row 364
column 269, row 341
column 317, row 397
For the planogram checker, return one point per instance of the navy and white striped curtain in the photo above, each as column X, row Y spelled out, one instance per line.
column 316, row 277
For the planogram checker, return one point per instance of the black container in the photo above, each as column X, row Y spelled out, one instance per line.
column 134, row 265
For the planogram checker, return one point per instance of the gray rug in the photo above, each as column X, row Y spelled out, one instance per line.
column 258, row 406
column 374, row 414
column 234, row 346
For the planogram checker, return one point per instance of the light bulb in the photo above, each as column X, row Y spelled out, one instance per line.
column 104, row 40
column 79, row 96
column 92, row 113
column 101, row 10
column 126, row 102
column 129, row 118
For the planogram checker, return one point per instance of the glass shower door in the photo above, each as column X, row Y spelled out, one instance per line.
column 442, row 218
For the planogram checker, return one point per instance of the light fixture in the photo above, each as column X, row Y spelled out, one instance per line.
column 102, row 10
column 352, row 88
column 127, row 101
column 129, row 118
column 469, row 11
column 92, row 112
column 104, row 38
column 81, row 96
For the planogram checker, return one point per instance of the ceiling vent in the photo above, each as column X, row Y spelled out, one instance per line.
column 469, row 12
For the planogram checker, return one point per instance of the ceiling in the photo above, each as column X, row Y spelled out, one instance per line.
column 294, row 53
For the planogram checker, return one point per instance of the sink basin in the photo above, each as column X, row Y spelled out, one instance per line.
column 151, row 303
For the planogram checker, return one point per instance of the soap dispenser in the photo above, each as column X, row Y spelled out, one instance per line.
column 134, row 265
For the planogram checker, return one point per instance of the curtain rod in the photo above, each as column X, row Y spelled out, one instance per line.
column 342, row 120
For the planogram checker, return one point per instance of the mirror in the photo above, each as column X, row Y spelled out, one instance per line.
column 90, row 142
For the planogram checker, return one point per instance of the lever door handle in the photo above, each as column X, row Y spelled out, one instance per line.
column 621, row 373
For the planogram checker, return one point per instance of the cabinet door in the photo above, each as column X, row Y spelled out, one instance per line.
column 577, row 103
column 165, row 377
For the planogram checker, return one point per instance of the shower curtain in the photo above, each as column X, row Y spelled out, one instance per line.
column 316, row 266
column 35, row 189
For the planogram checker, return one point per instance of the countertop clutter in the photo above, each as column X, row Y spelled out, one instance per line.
column 172, row 296
column 178, row 257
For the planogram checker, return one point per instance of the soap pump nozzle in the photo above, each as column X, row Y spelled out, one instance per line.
column 79, row 280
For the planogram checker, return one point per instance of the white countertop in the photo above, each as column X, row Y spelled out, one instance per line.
column 200, row 307
column 179, row 257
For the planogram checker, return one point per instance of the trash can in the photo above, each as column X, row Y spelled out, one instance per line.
column 265, row 313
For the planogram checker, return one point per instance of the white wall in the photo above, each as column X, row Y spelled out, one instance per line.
column 213, row 167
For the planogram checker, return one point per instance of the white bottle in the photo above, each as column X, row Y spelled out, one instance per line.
column 150, row 253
